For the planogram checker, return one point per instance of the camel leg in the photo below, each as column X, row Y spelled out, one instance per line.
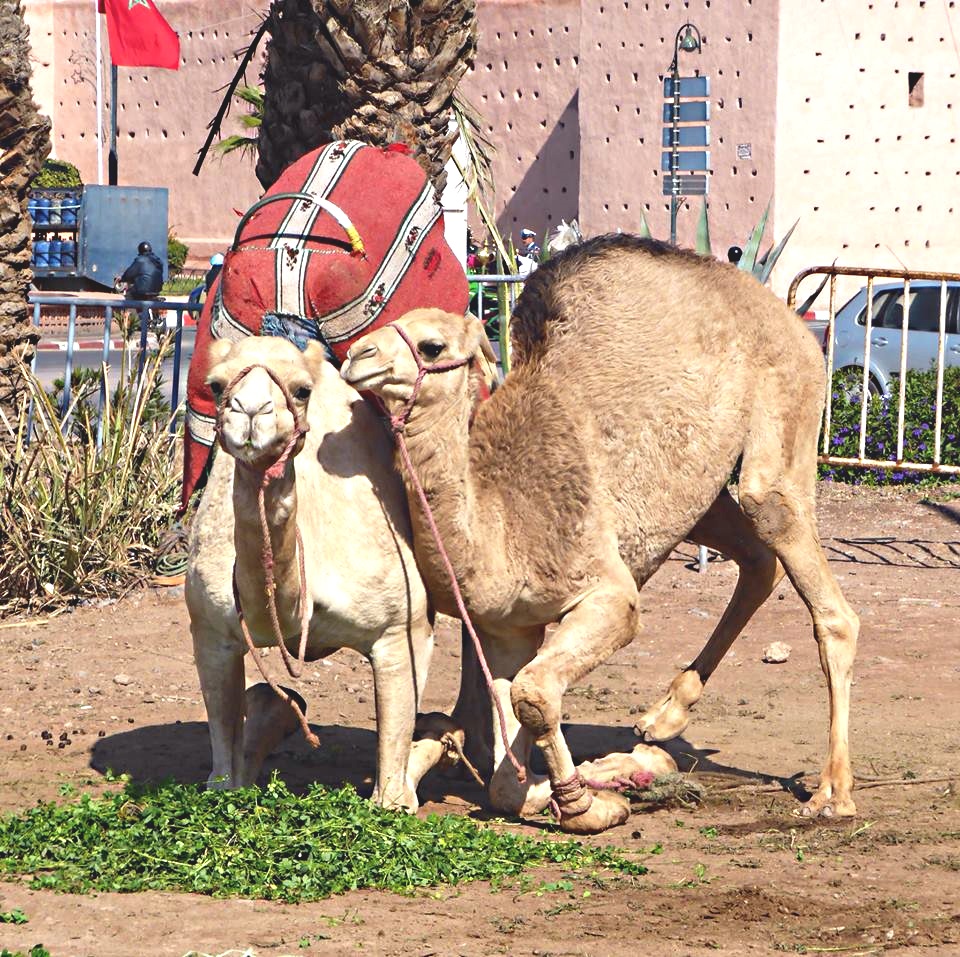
column 603, row 621
column 400, row 659
column 270, row 719
column 219, row 662
column 472, row 709
column 777, row 495
column 725, row 529
column 506, row 655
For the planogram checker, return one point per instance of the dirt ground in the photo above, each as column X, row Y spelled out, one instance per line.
column 115, row 687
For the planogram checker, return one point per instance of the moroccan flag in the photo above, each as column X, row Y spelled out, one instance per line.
column 139, row 36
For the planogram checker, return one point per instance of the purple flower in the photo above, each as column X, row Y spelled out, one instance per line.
column 922, row 447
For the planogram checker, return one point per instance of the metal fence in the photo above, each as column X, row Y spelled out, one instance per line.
column 492, row 298
column 869, row 277
column 133, row 319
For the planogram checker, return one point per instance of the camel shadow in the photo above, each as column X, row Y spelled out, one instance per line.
column 180, row 752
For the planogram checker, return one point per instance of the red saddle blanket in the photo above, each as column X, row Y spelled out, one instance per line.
column 295, row 270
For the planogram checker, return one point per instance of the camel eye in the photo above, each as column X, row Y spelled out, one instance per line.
column 430, row 350
column 217, row 389
column 303, row 393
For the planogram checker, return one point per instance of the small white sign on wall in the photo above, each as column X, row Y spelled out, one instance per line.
column 744, row 151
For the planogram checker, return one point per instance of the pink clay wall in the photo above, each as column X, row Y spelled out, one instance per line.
column 570, row 94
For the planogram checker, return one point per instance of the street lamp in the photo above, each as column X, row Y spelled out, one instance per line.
column 688, row 40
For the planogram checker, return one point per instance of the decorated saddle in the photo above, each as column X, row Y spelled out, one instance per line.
column 350, row 237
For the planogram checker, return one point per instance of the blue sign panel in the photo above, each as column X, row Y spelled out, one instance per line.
column 686, row 136
column 695, row 87
column 695, row 112
column 690, row 161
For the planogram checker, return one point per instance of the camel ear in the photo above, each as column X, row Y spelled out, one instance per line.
column 474, row 337
column 315, row 355
column 219, row 350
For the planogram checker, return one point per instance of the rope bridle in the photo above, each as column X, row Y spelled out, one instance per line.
column 267, row 475
column 398, row 425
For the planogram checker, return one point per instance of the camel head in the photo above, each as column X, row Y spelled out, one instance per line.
column 384, row 362
column 256, row 419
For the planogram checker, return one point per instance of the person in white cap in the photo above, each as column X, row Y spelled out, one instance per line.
column 529, row 245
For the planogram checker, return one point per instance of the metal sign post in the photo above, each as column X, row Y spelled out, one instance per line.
column 687, row 104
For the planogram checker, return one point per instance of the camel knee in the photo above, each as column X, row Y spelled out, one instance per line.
column 771, row 512
column 536, row 702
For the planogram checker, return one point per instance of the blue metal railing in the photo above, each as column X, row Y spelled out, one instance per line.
column 492, row 299
column 144, row 310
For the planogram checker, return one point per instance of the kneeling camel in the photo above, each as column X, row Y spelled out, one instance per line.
column 641, row 375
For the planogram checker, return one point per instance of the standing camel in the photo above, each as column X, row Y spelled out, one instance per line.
column 641, row 375
column 339, row 488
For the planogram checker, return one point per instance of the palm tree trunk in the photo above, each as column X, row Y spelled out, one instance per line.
column 24, row 144
column 379, row 71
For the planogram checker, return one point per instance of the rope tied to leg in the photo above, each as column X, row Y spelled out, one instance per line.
column 567, row 792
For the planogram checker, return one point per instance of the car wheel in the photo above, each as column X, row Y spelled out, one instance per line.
column 849, row 383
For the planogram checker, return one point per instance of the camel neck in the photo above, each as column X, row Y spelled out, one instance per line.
column 438, row 442
column 280, row 500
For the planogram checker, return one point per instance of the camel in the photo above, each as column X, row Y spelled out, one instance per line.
column 641, row 375
column 362, row 587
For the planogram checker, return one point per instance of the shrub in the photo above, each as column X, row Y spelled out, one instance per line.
column 82, row 522
column 881, row 441
column 176, row 253
column 57, row 174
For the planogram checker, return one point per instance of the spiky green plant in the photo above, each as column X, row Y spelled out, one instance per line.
column 81, row 521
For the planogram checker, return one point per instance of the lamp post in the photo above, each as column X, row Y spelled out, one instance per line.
column 688, row 40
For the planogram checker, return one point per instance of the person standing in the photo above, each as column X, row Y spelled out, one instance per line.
column 529, row 246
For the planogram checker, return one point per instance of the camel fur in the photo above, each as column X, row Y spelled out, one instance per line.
column 362, row 584
column 641, row 375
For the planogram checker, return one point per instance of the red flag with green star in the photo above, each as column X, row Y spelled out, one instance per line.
column 139, row 36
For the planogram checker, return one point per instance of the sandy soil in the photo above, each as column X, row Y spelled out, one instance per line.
column 115, row 687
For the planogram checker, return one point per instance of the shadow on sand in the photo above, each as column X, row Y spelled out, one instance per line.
column 181, row 752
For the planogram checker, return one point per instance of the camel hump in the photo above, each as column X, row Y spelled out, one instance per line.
column 588, row 292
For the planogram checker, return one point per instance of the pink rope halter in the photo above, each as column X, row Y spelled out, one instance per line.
column 398, row 423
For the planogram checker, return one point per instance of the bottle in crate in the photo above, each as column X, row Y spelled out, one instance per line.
column 68, row 254
column 53, row 255
column 41, row 254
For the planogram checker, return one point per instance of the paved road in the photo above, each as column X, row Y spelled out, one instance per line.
column 88, row 353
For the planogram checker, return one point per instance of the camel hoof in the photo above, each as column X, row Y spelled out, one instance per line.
column 827, row 806
column 669, row 717
column 607, row 809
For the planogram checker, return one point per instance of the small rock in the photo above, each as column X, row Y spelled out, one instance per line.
column 776, row 653
column 93, row 689
column 148, row 699
column 122, row 679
